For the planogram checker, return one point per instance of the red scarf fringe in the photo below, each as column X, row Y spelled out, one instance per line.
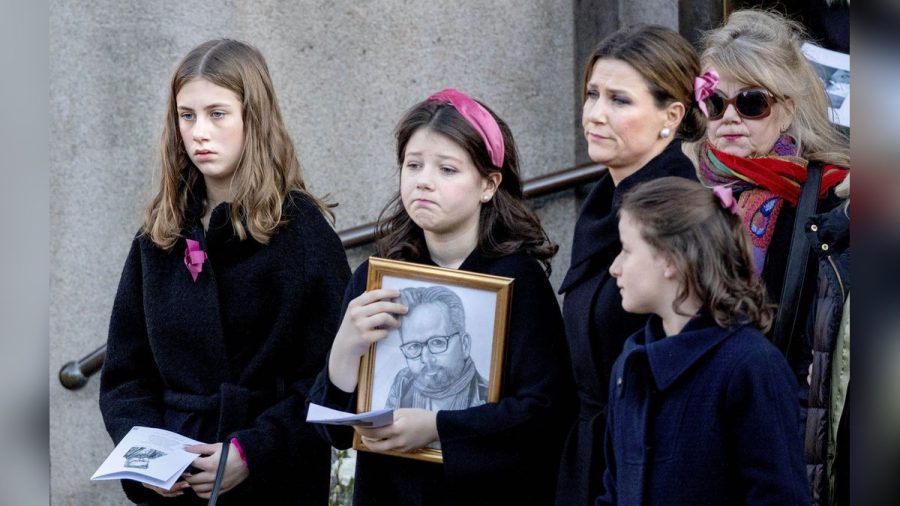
column 783, row 177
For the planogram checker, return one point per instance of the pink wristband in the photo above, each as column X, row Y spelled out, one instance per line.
column 240, row 450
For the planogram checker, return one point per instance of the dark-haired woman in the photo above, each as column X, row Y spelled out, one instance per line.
column 638, row 107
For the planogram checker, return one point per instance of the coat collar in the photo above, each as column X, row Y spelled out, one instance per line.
column 596, row 238
column 830, row 232
column 220, row 228
column 474, row 262
column 670, row 357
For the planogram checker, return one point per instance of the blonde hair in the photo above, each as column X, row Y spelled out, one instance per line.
column 268, row 169
column 762, row 48
column 684, row 221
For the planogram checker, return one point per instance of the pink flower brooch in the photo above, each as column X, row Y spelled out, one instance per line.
column 194, row 258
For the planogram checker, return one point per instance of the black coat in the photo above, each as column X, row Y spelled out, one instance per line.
column 232, row 354
column 496, row 453
column 596, row 324
column 829, row 237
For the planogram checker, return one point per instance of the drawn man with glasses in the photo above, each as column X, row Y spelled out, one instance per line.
column 439, row 373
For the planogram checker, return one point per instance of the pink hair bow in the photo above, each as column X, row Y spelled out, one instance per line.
column 480, row 119
column 726, row 198
column 704, row 86
column 194, row 258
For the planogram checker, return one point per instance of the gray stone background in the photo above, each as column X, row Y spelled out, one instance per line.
column 344, row 72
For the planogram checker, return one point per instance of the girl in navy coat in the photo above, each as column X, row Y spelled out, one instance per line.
column 460, row 206
column 230, row 294
column 701, row 404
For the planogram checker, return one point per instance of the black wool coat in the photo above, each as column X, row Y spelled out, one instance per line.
column 596, row 324
column 232, row 354
column 497, row 453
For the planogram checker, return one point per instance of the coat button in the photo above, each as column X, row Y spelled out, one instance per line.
column 824, row 247
column 814, row 227
column 619, row 382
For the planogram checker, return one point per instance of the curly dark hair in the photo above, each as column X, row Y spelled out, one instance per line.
column 684, row 221
column 506, row 224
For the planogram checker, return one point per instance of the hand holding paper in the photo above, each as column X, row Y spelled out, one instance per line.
column 152, row 456
column 202, row 482
column 412, row 429
column 321, row 414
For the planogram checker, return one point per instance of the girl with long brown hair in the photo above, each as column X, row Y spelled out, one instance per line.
column 459, row 206
column 229, row 295
column 701, row 404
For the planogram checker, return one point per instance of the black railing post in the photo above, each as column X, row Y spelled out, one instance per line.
column 75, row 374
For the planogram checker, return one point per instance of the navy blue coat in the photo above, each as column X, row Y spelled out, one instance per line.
column 232, row 354
column 596, row 324
column 497, row 453
column 707, row 416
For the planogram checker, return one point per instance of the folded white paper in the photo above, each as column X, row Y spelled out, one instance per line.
column 152, row 456
column 321, row 414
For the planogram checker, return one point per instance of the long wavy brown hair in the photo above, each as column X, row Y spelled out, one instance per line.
column 268, row 169
column 506, row 224
column 684, row 221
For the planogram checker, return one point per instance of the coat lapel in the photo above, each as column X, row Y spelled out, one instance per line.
column 596, row 239
column 671, row 357
column 186, row 310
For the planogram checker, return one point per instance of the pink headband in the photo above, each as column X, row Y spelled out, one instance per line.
column 480, row 119
column 726, row 198
column 704, row 86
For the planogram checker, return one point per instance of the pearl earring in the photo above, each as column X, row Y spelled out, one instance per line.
column 665, row 132
column 485, row 198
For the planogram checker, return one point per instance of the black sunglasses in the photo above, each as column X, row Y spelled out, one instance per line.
column 750, row 103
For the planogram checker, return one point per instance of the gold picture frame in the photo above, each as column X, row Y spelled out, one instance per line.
column 475, row 291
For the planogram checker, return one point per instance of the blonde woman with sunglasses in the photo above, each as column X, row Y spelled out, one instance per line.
column 768, row 131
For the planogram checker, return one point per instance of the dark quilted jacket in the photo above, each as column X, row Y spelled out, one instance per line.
column 829, row 236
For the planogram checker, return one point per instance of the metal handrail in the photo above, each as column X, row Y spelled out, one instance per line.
column 75, row 374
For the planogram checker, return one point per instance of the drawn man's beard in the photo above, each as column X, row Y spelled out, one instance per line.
column 433, row 376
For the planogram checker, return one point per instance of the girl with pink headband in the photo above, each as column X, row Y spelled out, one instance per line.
column 459, row 205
